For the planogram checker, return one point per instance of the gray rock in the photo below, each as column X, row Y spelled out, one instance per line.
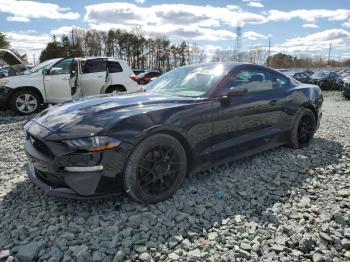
column 145, row 257
column 173, row 257
column 119, row 256
column 243, row 254
column 278, row 248
column 317, row 257
column 245, row 246
column 30, row 251
column 307, row 244
column 344, row 192
column 325, row 237
column 4, row 254
column 196, row 253
column 97, row 256
column 345, row 243
column 212, row 235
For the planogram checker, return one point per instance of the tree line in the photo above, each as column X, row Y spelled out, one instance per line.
column 155, row 52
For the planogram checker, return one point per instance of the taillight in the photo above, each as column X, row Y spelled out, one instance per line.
column 133, row 77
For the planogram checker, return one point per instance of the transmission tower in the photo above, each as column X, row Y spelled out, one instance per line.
column 238, row 43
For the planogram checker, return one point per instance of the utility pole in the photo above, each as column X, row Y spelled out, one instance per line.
column 72, row 38
column 269, row 54
column 329, row 53
column 33, row 59
column 238, row 42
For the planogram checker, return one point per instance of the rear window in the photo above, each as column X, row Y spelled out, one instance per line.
column 114, row 67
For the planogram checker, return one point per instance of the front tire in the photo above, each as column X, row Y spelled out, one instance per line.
column 303, row 129
column 155, row 169
column 25, row 102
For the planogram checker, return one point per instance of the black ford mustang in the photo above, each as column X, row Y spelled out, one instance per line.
column 188, row 119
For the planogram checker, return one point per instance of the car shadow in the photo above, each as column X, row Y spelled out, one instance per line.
column 246, row 188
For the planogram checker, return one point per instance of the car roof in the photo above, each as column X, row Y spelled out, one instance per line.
column 98, row 57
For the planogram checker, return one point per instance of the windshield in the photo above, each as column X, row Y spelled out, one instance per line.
column 42, row 65
column 188, row 81
column 319, row 75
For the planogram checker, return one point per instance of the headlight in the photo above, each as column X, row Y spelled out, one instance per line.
column 3, row 83
column 93, row 144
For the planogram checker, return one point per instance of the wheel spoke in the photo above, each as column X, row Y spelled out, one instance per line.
column 20, row 100
column 158, row 169
column 21, row 107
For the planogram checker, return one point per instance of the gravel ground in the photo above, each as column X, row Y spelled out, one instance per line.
column 281, row 205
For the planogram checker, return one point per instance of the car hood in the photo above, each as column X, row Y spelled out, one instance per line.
column 91, row 116
column 12, row 60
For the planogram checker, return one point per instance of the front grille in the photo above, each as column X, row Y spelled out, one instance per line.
column 41, row 147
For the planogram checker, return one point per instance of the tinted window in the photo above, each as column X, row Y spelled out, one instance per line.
column 252, row 80
column 94, row 66
column 114, row 67
column 279, row 81
column 62, row 67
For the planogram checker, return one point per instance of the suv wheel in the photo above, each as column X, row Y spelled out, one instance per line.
column 156, row 169
column 25, row 102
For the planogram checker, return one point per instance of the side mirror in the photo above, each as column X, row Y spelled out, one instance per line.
column 45, row 72
column 237, row 91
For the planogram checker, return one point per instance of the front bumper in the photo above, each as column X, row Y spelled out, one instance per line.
column 64, row 192
column 47, row 171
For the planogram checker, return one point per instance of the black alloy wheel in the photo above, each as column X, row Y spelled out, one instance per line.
column 155, row 169
column 303, row 130
column 306, row 130
column 158, row 169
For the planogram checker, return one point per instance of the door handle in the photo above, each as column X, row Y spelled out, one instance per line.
column 273, row 102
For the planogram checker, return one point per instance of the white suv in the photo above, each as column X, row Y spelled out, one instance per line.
column 58, row 80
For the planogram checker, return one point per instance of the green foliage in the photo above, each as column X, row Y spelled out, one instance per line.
column 65, row 47
column 4, row 43
column 140, row 52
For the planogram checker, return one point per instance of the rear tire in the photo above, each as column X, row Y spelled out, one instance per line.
column 25, row 102
column 155, row 169
column 303, row 129
column 115, row 90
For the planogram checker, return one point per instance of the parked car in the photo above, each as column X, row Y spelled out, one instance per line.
column 138, row 71
column 308, row 72
column 4, row 71
column 346, row 88
column 13, row 64
column 145, row 78
column 303, row 78
column 63, row 79
column 328, row 80
column 147, row 143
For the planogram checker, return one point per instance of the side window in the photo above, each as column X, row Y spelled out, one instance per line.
column 94, row 66
column 279, row 81
column 252, row 80
column 62, row 67
column 114, row 67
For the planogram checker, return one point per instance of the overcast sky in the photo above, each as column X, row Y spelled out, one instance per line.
column 296, row 27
